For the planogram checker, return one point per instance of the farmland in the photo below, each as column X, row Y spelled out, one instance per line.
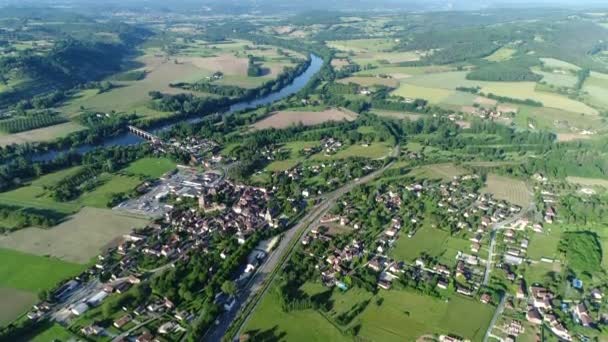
column 77, row 240
column 438, row 171
column 33, row 273
column 150, row 167
column 406, row 315
column 40, row 134
column 502, row 54
column 508, row 189
column 14, row 303
column 283, row 119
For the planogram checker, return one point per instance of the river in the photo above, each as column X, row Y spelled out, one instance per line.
column 127, row 138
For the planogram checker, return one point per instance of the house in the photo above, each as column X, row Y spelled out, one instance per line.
column 145, row 337
column 442, row 285
column 485, row 298
column 91, row 330
column 383, row 284
column 534, row 317
column 521, row 290
column 119, row 323
column 597, row 295
column 580, row 310
column 79, row 309
column 166, row 328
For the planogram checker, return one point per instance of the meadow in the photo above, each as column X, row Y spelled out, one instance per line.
column 41, row 134
column 33, row 273
column 375, row 150
column 426, row 240
column 445, row 171
column 544, row 245
column 502, row 54
column 150, row 167
column 368, row 81
column 406, row 316
column 14, row 303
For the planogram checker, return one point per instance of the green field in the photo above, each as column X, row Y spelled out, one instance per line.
column 14, row 303
column 596, row 87
column 559, row 64
column 405, row 316
column 544, row 245
column 33, row 273
column 427, row 240
column 502, row 54
column 557, row 79
column 373, row 151
column 270, row 321
column 151, row 167
column 54, row 332
column 111, row 184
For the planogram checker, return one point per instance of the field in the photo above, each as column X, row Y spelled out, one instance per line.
column 373, row 151
column 439, row 87
column 40, row 134
column 14, row 303
column 76, row 240
column 271, row 322
column 596, row 87
column 397, row 115
column 588, row 181
column 556, row 120
column 33, row 273
column 294, row 158
column 440, row 171
column 150, row 167
column 283, row 119
column 559, row 64
column 557, row 78
column 508, row 189
column 53, row 332
column 405, row 316
column 373, row 51
column 194, row 62
column 544, row 245
column 370, row 81
column 502, row 54
column 428, row 240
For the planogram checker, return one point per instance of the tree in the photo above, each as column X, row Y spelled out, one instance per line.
column 229, row 288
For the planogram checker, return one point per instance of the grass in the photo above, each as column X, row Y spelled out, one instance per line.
column 55, row 332
column 151, row 167
column 544, row 245
column 370, row 81
column 437, row 87
column 502, row 54
column 14, row 303
column 588, row 181
column 33, row 273
column 597, row 88
column 509, row 189
column 583, row 252
column 405, row 316
column 373, row 151
column 559, row 64
column 41, row 134
column 112, row 184
column 76, row 240
column 427, row 240
column 555, row 119
column 271, row 322
column 558, row 79
column 445, row 171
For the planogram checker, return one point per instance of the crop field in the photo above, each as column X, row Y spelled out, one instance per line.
column 373, row 151
column 558, row 78
column 445, row 171
column 76, row 240
column 371, row 81
column 283, row 119
column 428, row 240
column 405, row 72
column 397, row 115
column 597, row 88
column 373, row 51
column 362, row 45
column 508, row 189
column 40, row 134
column 33, row 273
column 559, row 64
column 588, row 181
column 556, row 120
column 14, row 303
column 436, row 87
column 502, row 54
column 405, row 316
column 150, row 167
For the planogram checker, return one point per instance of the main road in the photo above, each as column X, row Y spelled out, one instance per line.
column 264, row 276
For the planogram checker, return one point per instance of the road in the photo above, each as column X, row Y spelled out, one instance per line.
column 495, row 228
column 286, row 248
column 499, row 309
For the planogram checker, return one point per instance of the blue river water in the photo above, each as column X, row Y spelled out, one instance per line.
column 126, row 139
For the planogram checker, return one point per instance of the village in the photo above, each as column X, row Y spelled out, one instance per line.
column 205, row 207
